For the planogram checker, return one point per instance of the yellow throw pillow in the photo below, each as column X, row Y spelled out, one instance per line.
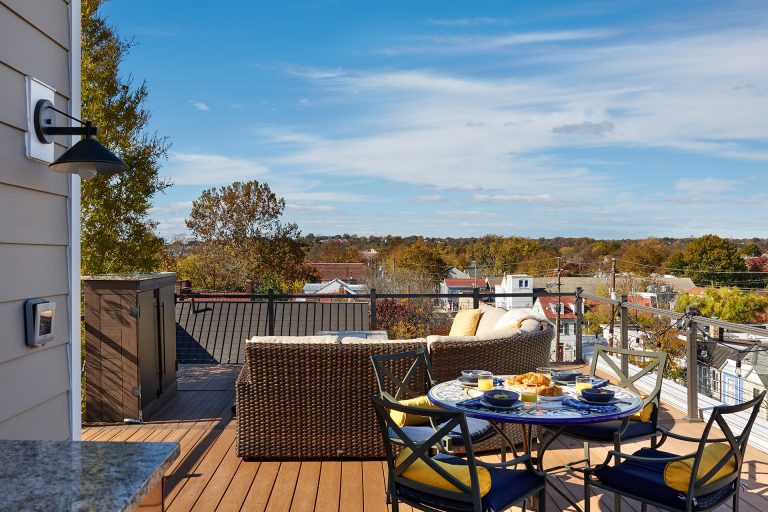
column 677, row 474
column 643, row 414
column 465, row 323
column 404, row 419
column 421, row 472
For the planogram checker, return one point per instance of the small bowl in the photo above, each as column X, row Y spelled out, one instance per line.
column 472, row 375
column 598, row 394
column 565, row 375
column 501, row 397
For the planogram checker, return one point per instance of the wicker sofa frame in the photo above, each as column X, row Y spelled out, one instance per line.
column 303, row 401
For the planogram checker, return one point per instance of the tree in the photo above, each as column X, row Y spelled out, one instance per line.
column 711, row 259
column 751, row 249
column 498, row 255
column 643, row 257
column 419, row 257
column 116, row 232
column 335, row 251
column 729, row 304
column 241, row 237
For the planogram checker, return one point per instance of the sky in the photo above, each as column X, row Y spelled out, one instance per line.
column 448, row 118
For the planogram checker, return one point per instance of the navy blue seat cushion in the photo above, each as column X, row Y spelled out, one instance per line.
column 508, row 486
column 647, row 479
column 479, row 430
column 604, row 431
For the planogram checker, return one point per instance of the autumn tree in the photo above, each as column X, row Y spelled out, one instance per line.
column 502, row 255
column 711, row 259
column 116, row 232
column 335, row 251
column 643, row 257
column 729, row 304
column 241, row 236
column 751, row 249
column 419, row 257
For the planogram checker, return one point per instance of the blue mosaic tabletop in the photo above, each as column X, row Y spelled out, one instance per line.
column 448, row 395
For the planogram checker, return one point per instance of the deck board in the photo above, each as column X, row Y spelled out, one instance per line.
column 209, row 476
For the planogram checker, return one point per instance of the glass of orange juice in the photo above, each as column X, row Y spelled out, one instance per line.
column 583, row 382
column 529, row 395
column 485, row 382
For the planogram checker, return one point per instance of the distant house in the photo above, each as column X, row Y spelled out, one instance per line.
column 455, row 273
column 514, row 283
column 548, row 307
column 369, row 254
column 348, row 272
column 460, row 287
column 336, row 287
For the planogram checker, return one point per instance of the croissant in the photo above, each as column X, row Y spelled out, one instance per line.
column 550, row 391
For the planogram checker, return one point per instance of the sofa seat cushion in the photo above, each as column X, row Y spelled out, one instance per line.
column 465, row 323
column 647, row 479
column 479, row 430
column 508, row 486
column 294, row 339
column 488, row 320
column 498, row 334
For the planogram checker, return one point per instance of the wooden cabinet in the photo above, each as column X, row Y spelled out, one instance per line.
column 130, row 345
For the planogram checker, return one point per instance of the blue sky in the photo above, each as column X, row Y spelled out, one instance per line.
column 605, row 119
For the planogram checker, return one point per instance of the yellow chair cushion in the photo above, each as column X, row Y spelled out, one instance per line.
column 404, row 419
column 465, row 323
column 677, row 474
column 421, row 472
column 643, row 414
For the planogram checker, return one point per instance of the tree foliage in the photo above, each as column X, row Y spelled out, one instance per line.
column 643, row 257
column 117, row 234
column 240, row 236
column 335, row 251
column 729, row 304
column 711, row 259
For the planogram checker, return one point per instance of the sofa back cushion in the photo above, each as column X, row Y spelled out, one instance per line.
column 465, row 322
column 491, row 316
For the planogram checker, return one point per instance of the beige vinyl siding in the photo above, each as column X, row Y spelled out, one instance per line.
column 34, row 229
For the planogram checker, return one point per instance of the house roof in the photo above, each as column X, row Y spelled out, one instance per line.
column 455, row 273
column 464, row 283
column 334, row 286
column 348, row 272
column 547, row 305
column 590, row 285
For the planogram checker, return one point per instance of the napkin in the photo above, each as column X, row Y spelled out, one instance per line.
column 581, row 406
column 471, row 402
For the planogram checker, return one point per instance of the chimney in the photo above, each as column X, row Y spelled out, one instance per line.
column 716, row 333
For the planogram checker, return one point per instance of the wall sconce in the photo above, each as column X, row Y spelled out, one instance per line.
column 87, row 157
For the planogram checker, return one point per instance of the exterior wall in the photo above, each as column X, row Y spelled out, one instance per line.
column 39, row 394
column 512, row 284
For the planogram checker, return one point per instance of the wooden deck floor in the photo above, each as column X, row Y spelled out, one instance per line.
column 209, row 476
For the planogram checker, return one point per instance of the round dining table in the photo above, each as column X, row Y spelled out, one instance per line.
column 555, row 415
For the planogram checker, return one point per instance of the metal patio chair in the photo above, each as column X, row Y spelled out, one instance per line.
column 643, row 475
column 415, row 384
column 457, row 492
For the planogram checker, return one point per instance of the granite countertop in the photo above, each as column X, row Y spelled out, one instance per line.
column 80, row 476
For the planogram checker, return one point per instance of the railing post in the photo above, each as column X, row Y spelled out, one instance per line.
column 579, row 319
column 624, row 319
column 372, row 323
column 692, row 373
column 271, row 312
column 475, row 297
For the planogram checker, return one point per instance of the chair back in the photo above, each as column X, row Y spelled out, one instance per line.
column 395, row 386
column 737, row 446
column 657, row 361
column 420, row 451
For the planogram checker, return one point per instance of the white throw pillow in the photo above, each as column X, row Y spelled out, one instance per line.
column 491, row 316
column 516, row 316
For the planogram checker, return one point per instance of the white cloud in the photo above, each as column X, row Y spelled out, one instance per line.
column 427, row 198
column 442, row 44
column 464, row 22
column 706, row 186
column 210, row 169
column 199, row 105
column 513, row 198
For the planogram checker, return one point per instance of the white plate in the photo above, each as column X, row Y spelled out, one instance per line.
column 550, row 398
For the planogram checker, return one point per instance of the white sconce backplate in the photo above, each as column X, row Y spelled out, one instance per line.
column 37, row 90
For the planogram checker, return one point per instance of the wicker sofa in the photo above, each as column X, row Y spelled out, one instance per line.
column 309, row 397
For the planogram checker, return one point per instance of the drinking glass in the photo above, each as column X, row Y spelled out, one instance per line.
column 583, row 382
column 529, row 395
column 547, row 372
column 485, row 382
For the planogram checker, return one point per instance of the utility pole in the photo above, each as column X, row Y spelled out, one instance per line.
column 558, row 343
column 613, row 296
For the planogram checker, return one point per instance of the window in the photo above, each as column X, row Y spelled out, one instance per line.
column 565, row 328
column 522, row 283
